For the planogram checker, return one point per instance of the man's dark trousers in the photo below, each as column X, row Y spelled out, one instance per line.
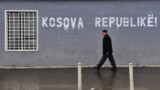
column 103, row 59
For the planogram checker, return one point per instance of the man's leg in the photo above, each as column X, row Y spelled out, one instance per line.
column 111, row 59
column 101, row 62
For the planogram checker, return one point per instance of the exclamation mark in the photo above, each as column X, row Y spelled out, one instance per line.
column 155, row 21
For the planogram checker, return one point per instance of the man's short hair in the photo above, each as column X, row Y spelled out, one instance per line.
column 105, row 31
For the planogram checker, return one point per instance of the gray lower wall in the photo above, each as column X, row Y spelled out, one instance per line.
column 57, row 47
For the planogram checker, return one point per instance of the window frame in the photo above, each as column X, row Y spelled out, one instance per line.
column 6, row 30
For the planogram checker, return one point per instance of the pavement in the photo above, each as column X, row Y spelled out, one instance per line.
column 146, row 78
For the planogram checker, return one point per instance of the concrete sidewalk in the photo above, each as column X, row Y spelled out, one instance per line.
column 66, row 79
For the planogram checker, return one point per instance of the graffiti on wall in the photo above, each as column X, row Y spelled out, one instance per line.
column 77, row 23
column 65, row 23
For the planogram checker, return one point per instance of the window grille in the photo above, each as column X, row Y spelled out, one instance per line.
column 21, row 30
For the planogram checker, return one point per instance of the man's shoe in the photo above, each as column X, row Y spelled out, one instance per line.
column 97, row 68
column 113, row 69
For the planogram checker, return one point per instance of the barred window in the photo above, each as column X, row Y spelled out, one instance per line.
column 21, row 30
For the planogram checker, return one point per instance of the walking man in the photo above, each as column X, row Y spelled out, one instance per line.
column 107, row 52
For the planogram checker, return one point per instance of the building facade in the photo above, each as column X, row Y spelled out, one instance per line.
column 63, row 33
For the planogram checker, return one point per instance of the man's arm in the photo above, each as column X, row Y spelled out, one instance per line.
column 108, row 45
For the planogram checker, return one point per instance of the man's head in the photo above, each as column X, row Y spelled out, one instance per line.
column 104, row 32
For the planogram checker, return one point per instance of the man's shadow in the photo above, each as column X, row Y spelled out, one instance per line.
column 107, row 80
